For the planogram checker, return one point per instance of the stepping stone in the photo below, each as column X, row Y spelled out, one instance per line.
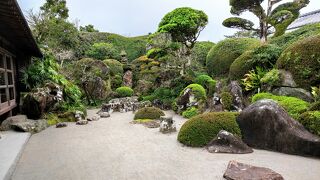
column 61, row 125
column 82, row 122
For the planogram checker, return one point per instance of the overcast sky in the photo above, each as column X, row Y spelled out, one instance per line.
column 139, row 17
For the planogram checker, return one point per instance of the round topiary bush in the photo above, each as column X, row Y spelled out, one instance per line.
column 311, row 121
column 201, row 129
column 124, row 91
column 149, row 113
column 222, row 55
column 207, row 82
column 302, row 59
column 197, row 90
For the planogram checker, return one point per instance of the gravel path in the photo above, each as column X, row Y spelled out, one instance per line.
column 115, row 149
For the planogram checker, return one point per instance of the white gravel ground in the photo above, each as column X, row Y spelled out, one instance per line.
column 115, row 149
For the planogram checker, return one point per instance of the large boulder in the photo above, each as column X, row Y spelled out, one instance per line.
column 293, row 92
column 226, row 142
column 240, row 171
column 22, row 124
column 266, row 125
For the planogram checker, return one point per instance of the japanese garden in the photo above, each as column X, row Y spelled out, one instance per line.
column 80, row 103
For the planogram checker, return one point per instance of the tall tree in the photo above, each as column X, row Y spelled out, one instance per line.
column 279, row 17
column 88, row 28
column 55, row 9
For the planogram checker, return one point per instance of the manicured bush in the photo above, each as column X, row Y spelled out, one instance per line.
column 302, row 59
column 197, row 90
column 292, row 105
column 207, row 82
column 222, row 55
column 191, row 112
column 311, row 121
column 227, row 100
column 149, row 113
column 241, row 66
column 200, row 51
column 124, row 91
column 201, row 129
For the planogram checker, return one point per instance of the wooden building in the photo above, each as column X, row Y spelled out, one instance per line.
column 305, row 19
column 17, row 46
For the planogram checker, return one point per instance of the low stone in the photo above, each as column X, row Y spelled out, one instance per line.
column 226, row 142
column 240, row 171
column 167, row 125
column 266, row 125
column 93, row 118
column 6, row 124
column 61, row 125
column 286, row 79
column 152, row 124
column 104, row 114
column 294, row 92
column 82, row 122
column 21, row 123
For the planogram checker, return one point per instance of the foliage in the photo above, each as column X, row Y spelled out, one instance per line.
column 315, row 106
column 116, row 81
column 124, row 91
column 200, row 51
column 292, row 105
column 252, row 80
column 244, row 34
column 184, row 25
column 302, row 59
column 315, row 91
column 271, row 78
column 279, row 18
column 164, row 95
column 207, row 82
column 156, row 53
column 226, row 99
column 88, row 28
column 197, row 90
column 191, row 112
column 116, row 67
column 201, row 129
column 179, row 83
column 55, row 9
column 223, row 54
column 149, row 113
column 102, row 51
column 241, row 66
column 311, row 121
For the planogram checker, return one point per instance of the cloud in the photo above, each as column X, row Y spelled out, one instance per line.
column 139, row 17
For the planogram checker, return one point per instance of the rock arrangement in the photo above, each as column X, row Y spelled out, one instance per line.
column 240, row 171
column 167, row 125
column 266, row 125
column 226, row 142
column 124, row 105
column 22, row 124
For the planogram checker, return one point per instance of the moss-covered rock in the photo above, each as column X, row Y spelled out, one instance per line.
column 222, row 55
column 302, row 59
column 201, row 129
column 311, row 121
column 149, row 113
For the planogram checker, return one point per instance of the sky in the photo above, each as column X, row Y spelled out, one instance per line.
column 140, row 17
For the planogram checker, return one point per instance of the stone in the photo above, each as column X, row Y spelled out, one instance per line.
column 22, row 124
column 167, row 125
column 104, row 114
column 79, row 115
column 152, row 124
column 82, row 122
column 286, row 79
column 240, row 171
column 226, row 142
column 236, row 92
column 93, row 118
column 293, row 92
column 61, row 125
column 127, row 78
column 144, row 86
column 266, row 125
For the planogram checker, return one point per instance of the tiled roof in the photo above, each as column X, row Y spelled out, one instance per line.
column 305, row 19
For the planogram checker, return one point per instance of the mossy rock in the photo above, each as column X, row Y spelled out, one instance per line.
column 302, row 59
column 149, row 113
column 201, row 129
column 311, row 121
column 222, row 55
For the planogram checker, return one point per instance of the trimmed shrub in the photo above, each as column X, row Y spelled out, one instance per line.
column 197, row 90
column 201, row 129
column 200, row 51
column 222, row 55
column 124, row 91
column 292, row 105
column 311, row 121
column 227, row 100
column 149, row 113
column 302, row 59
column 207, row 82
column 191, row 112
column 115, row 67
column 241, row 66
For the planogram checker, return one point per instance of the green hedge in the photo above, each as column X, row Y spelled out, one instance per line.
column 222, row 55
column 302, row 59
column 149, row 113
column 124, row 91
column 311, row 121
column 292, row 105
column 201, row 129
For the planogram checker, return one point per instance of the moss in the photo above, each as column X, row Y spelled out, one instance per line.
column 191, row 112
column 302, row 59
column 124, row 91
column 315, row 106
column 149, row 113
column 201, row 129
column 222, row 55
column 197, row 90
column 311, row 121
column 292, row 105
column 227, row 100
column 143, row 120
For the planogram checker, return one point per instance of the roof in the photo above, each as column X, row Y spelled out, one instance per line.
column 306, row 19
column 15, row 29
